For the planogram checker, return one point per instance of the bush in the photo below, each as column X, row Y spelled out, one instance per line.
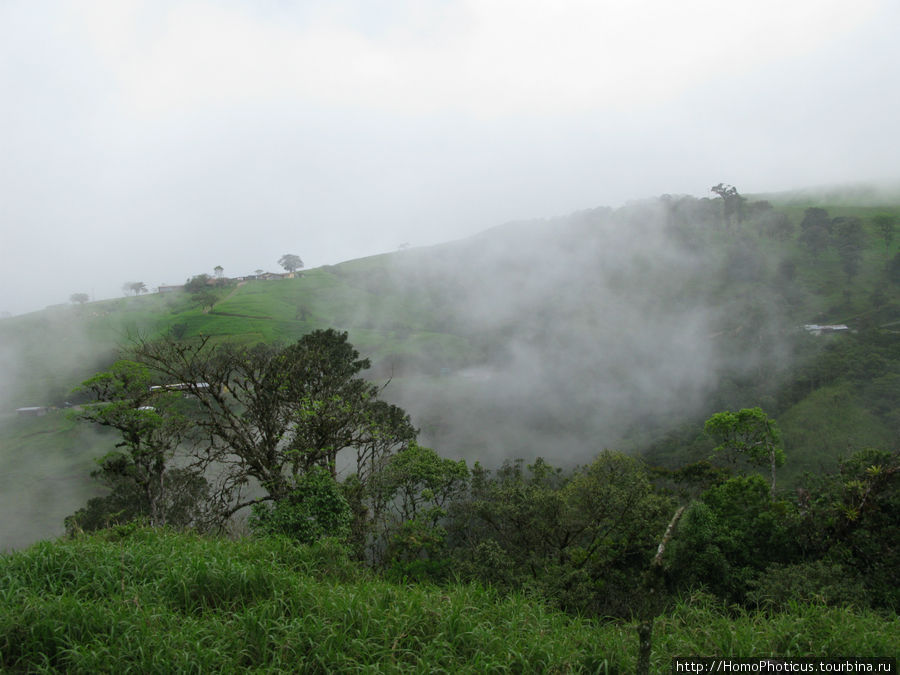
column 780, row 586
column 314, row 509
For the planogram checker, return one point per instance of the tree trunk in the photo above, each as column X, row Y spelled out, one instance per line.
column 772, row 461
column 653, row 599
column 645, row 641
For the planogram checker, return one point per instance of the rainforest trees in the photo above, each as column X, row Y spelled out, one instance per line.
column 269, row 414
column 152, row 423
column 750, row 433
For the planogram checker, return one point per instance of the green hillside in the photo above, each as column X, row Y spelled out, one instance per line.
column 606, row 328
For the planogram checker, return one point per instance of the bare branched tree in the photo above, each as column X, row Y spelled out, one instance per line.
column 272, row 413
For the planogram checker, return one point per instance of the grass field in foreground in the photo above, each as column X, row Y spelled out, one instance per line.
column 159, row 601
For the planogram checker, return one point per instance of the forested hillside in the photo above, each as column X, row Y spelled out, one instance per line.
column 585, row 444
column 557, row 338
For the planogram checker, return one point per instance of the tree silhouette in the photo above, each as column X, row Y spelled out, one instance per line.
column 290, row 262
column 732, row 202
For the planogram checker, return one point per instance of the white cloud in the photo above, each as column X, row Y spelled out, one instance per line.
column 246, row 128
column 482, row 57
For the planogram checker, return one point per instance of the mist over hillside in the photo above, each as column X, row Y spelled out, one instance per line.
column 606, row 328
column 594, row 330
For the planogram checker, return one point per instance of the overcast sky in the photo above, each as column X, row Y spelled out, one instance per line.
column 151, row 141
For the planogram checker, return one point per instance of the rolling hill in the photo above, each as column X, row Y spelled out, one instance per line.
column 619, row 328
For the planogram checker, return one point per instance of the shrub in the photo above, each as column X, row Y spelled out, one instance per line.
column 314, row 509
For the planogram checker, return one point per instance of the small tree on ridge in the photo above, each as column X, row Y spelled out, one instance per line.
column 290, row 262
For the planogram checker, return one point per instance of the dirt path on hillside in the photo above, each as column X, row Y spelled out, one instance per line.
column 233, row 291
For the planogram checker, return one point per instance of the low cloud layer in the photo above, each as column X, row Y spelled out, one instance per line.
column 596, row 330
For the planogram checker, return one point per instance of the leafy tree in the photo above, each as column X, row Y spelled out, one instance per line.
column 80, row 298
column 408, row 499
column 290, row 262
column 199, row 287
column 219, row 270
column 814, row 217
column 787, row 271
column 850, row 520
column 582, row 540
column 749, row 433
column 732, row 202
column 886, row 224
column 197, row 283
column 205, row 298
column 312, row 510
column 182, row 502
column 152, row 424
column 729, row 536
column 134, row 287
column 849, row 239
column 776, row 225
column 273, row 413
column 333, row 409
column 815, row 230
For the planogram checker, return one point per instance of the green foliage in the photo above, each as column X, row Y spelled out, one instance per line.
column 205, row 299
column 197, row 284
column 852, row 519
column 413, row 323
column 582, row 540
column 290, row 262
column 273, row 413
column 409, row 500
column 849, row 239
column 885, row 224
column 134, row 287
column 732, row 202
column 313, row 510
column 184, row 493
column 780, row 587
column 152, row 600
column 417, row 483
column 728, row 537
column 750, row 433
column 893, row 269
column 152, row 423
column 703, row 625
column 815, row 230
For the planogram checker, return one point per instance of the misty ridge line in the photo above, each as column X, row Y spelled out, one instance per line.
column 558, row 337
column 598, row 321
column 598, row 289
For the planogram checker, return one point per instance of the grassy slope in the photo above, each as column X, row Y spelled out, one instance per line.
column 45, row 476
column 165, row 602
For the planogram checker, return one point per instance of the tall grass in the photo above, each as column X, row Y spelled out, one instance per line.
column 179, row 603
column 151, row 601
